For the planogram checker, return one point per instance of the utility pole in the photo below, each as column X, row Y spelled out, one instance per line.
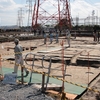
column 93, row 12
column 0, row 21
column 77, row 21
column 29, row 12
column 20, row 17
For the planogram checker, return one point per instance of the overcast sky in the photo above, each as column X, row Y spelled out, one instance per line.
column 79, row 8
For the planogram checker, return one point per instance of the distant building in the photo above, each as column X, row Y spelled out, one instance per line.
column 9, row 28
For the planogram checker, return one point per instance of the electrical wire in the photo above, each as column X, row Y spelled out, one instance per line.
column 91, row 2
column 83, row 9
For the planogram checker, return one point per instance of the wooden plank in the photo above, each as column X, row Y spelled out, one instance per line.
column 68, row 95
column 50, row 50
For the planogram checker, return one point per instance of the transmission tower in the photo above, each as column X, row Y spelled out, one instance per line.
column 29, row 12
column 93, row 12
column 51, row 12
column 20, row 17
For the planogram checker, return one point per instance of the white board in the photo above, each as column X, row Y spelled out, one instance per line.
column 10, row 78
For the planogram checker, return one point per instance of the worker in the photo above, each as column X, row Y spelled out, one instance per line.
column 68, row 35
column 51, row 37
column 57, row 35
column 44, row 36
column 18, row 56
column 98, row 36
column 95, row 35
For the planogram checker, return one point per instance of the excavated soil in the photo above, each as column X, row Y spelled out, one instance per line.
column 31, row 92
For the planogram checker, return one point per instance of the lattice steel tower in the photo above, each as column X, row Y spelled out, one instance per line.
column 20, row 17
column 51, row 12
column 29, row 12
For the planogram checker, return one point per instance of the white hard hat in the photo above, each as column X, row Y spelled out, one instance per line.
column 16, row 40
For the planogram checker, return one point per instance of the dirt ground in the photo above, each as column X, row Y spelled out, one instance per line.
column 91, row 95
column 75, row 73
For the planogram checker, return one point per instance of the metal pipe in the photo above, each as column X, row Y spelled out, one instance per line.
column 43, row 81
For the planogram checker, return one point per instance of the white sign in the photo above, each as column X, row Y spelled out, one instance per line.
column 10, row 78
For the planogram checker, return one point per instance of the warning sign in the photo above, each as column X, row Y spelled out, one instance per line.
column 10, row 78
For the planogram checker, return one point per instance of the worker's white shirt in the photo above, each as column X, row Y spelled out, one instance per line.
column 68, row 35
column 18, row 50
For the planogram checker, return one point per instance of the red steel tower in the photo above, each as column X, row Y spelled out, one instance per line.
column 51, row 12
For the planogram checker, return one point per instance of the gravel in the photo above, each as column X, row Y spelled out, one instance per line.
column 91, row 95
column 22, row 92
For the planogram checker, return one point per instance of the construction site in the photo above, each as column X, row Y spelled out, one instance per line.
column 57, row 71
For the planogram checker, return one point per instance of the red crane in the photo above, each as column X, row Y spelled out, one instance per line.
column 51, row 12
